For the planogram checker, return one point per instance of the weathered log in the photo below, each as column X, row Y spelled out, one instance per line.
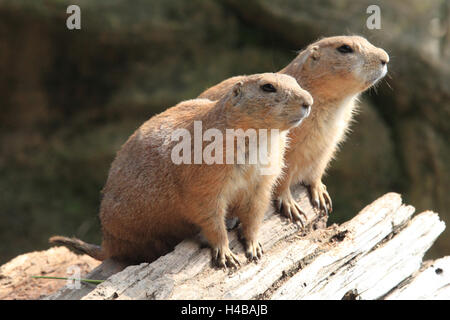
column 368, row 257
column 106, row 269
column 369, row 264
column 432, row 281
column 315, row 220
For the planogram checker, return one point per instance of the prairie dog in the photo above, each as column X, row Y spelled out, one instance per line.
column 334, row 71
column 151, row 203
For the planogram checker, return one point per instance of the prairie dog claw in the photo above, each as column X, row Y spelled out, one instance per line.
column 225, row 258
column 287, row 206
column 253, row 250
column 320, row 198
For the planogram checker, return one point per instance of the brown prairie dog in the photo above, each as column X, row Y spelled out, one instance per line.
column 334, row 71
column 151, row 203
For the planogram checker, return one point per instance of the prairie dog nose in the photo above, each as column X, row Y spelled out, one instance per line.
column 303, row 99
column 384, row 57
column 307, row 101
column 306, row 108
column 306, row 105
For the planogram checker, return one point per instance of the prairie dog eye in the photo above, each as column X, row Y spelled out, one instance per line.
column 268, row 87
column 345, row 49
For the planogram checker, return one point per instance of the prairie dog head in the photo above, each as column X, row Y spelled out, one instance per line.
column 346, row 65
column 268, row 100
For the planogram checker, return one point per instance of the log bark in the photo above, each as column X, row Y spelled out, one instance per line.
column 378, row 254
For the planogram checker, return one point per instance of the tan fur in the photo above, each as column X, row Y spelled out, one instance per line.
column 151, row 203
column 334, row 80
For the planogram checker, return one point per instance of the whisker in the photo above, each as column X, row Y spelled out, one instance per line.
column 375, row 88
column 389, row 85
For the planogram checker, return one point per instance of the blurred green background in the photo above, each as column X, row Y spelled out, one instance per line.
column 69, row 99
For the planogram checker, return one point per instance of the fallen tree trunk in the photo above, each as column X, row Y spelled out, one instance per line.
column 315, row 220
column 377, row 254
column 432, row 281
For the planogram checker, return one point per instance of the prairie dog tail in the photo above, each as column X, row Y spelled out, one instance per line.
column 79, row 246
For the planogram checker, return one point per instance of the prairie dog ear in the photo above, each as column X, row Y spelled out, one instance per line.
column 303, row 57
column 314, row 52
column 236, row 92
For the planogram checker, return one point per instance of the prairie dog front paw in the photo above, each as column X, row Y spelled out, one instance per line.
column 320, row 197
column 287, row 206
column 224, row 257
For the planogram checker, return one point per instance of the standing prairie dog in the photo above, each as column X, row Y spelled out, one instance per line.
column 334, row 71
column 151, row 202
